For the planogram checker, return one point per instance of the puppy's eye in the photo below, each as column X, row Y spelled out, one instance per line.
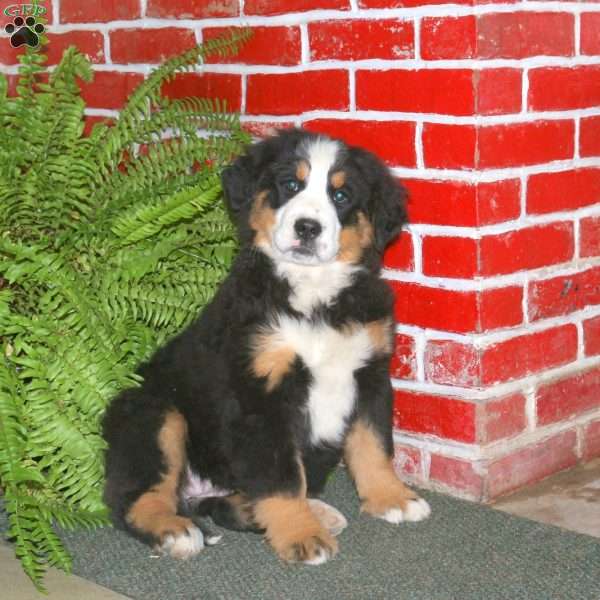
column 340, row 197
column 291, row 185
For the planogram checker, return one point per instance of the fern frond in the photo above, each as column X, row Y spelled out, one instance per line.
column 146, row 221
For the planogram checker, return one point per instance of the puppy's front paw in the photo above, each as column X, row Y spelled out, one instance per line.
column 313, row 550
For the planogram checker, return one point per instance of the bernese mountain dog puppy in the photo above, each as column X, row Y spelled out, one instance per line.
column 282, row 375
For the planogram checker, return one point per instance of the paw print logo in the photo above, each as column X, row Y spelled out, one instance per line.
column 24, row 31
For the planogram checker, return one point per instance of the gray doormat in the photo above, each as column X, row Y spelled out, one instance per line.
column 462, row 552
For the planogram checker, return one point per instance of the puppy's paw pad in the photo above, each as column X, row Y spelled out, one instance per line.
column 183, row 545
column 416, row 509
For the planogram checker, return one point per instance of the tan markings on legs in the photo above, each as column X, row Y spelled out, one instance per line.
column 381, row 334
column 338, row 179
column 302, row 170
column 376, row 482
column 354, row 239
column 271, row 358
column 262, row 219
column 155, row 511
column 242, row 508
column 292, row 528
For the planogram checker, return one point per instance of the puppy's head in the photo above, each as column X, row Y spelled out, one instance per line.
column 308, row 199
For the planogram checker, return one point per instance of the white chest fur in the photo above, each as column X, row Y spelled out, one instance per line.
column 314, row 285
column 332, row 357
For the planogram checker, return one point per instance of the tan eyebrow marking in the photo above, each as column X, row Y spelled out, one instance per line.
column 302, row 170
column 338, row 179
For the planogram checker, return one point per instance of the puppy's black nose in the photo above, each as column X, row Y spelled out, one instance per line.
column 307, row 229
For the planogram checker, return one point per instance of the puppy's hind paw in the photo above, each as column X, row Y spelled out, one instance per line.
column 185, row 544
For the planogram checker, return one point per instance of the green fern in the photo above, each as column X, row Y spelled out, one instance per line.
column 110, row 243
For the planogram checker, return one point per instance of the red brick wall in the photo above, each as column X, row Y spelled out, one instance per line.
column 490, row 112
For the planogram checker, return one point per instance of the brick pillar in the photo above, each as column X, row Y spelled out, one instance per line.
column 490, row 113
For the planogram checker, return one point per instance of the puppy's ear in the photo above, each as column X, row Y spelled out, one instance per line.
column 244, row 178
column 388, row 202
column 239, row 184
column 386, row 206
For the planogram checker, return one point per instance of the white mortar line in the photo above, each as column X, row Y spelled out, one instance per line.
column 420, row 345
column 352, row 89
column 576, row 241
column 106, row 42
column 244, row 93
column 417, row 243
column 433, row 334
column 579, row 432
column 577, row 136
column 436, row 445
column 380, row 115
column 577, row 40
column 523, row 194
column 530, row 408
column 580, row 340
column 379, row 64
column 143, row 8
column 525, row 302
column 417, row 37
column 426, row 464
column 304, row 44
column 525, row 91
column 419, row 145
column 55, row 13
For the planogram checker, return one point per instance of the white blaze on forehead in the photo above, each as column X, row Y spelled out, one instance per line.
column 321, row 154
column 312, row 203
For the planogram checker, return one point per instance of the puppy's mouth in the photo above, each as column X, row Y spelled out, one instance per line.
column 302, row 251
column 300, row 248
